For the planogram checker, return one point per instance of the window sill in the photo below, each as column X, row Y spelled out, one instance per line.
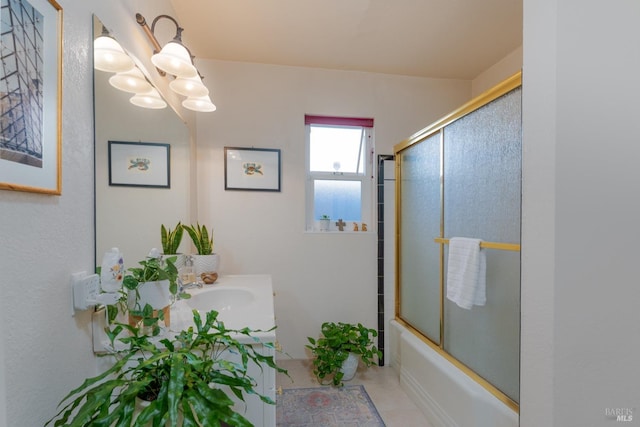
column 338, row 232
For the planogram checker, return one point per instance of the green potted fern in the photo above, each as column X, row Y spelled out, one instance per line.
column 338, row 349
column 205, row 261
column 179, row 381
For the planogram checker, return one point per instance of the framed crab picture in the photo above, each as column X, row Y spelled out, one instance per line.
column 139, row 164
column 253, row 169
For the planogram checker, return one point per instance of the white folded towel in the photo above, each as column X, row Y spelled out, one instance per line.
column 466, row 272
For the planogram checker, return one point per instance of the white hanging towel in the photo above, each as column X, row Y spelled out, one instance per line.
column 466, row 272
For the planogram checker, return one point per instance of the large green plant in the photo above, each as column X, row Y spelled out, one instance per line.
column 335, row 344
column 181, row 376
column 171, row 238
column 202, row 240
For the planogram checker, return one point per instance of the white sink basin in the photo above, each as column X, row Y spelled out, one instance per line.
column 220, row 299
column 242, row 301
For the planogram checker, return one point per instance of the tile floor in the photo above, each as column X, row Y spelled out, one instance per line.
column 381, row 383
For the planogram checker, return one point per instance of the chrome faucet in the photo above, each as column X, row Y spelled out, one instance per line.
column 185, row 286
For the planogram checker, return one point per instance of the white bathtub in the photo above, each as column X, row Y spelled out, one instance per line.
column 446, row 395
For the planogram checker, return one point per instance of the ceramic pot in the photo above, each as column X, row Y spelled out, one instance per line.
column 157, row 295
column 205, row 264
column 325, row 224
column 349, row 367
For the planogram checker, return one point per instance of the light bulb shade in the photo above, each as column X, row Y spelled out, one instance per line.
column 149, row 99
column 199, row 103
column 109, row 56
column 175, row 59
column 189, row 86
column 131, row 81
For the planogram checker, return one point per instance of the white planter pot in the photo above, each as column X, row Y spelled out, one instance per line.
column 349, row 367
column 205, row 264
column 156, row 294
column 325, row 224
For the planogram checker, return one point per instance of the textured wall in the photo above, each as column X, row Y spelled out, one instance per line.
column 44, row 240
column 46, row 351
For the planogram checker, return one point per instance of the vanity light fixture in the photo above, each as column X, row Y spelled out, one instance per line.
column 108, row 55
column 175, row 59
column 199, row 103
column 150, row 99
column 131, row 81
column 189, row 86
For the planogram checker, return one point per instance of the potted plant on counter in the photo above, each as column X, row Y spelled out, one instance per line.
column 183, row 379
column 205, row 261
column 151, row 289
column 337, row 351
column 171, row 240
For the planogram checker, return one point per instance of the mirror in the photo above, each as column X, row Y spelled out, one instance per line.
column 129, row 217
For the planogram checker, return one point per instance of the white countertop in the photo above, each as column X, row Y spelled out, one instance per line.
column 256, row 314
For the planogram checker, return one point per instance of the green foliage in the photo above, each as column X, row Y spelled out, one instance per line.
column 171, row 239
column 335, row 344
column 182, row 375
column 202, row 240
column 152, row 270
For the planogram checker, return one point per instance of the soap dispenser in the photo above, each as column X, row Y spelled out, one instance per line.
column 186, row 272
column 112, row 271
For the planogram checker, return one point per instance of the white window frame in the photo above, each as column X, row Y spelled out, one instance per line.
column 366, row 179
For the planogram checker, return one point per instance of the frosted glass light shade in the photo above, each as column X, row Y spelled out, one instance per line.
column 131, row 81
column 109, row 56
column 189, row 86
column 149, row 99
column 199, row 103
column 175, row 59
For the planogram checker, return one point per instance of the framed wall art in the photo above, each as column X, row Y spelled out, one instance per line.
column 252, row 169
column 139, row 164
column 31, row 97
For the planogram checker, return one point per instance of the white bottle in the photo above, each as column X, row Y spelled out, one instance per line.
column 112, row 271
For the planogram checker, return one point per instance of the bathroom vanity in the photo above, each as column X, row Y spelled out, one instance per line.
column 242, row 301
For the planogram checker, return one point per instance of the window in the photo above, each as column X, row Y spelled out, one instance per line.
column 339, row 171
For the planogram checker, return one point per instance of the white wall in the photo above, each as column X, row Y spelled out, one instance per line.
column 45, row 239
column 317, row 277
column 580, row 293
column 506, row 67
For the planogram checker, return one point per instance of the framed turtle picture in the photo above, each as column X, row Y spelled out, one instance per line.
column 253, row 169
column 139, row 164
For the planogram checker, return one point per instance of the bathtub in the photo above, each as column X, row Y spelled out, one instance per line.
column 446, row 395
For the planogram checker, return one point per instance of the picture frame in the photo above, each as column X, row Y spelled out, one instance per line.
column 139, row 164
column 252, row 169
column 31, row 128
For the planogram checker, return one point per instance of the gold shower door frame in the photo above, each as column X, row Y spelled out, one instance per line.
column 436, row 128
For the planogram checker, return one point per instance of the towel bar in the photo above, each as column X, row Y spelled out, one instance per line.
column 487, row 245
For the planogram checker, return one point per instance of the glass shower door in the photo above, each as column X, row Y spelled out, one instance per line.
column 482, row 194
column 420, row 212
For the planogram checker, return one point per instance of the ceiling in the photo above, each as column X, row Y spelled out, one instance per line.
column 428, row 38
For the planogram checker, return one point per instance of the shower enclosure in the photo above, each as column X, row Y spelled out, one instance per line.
column 461, row 177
